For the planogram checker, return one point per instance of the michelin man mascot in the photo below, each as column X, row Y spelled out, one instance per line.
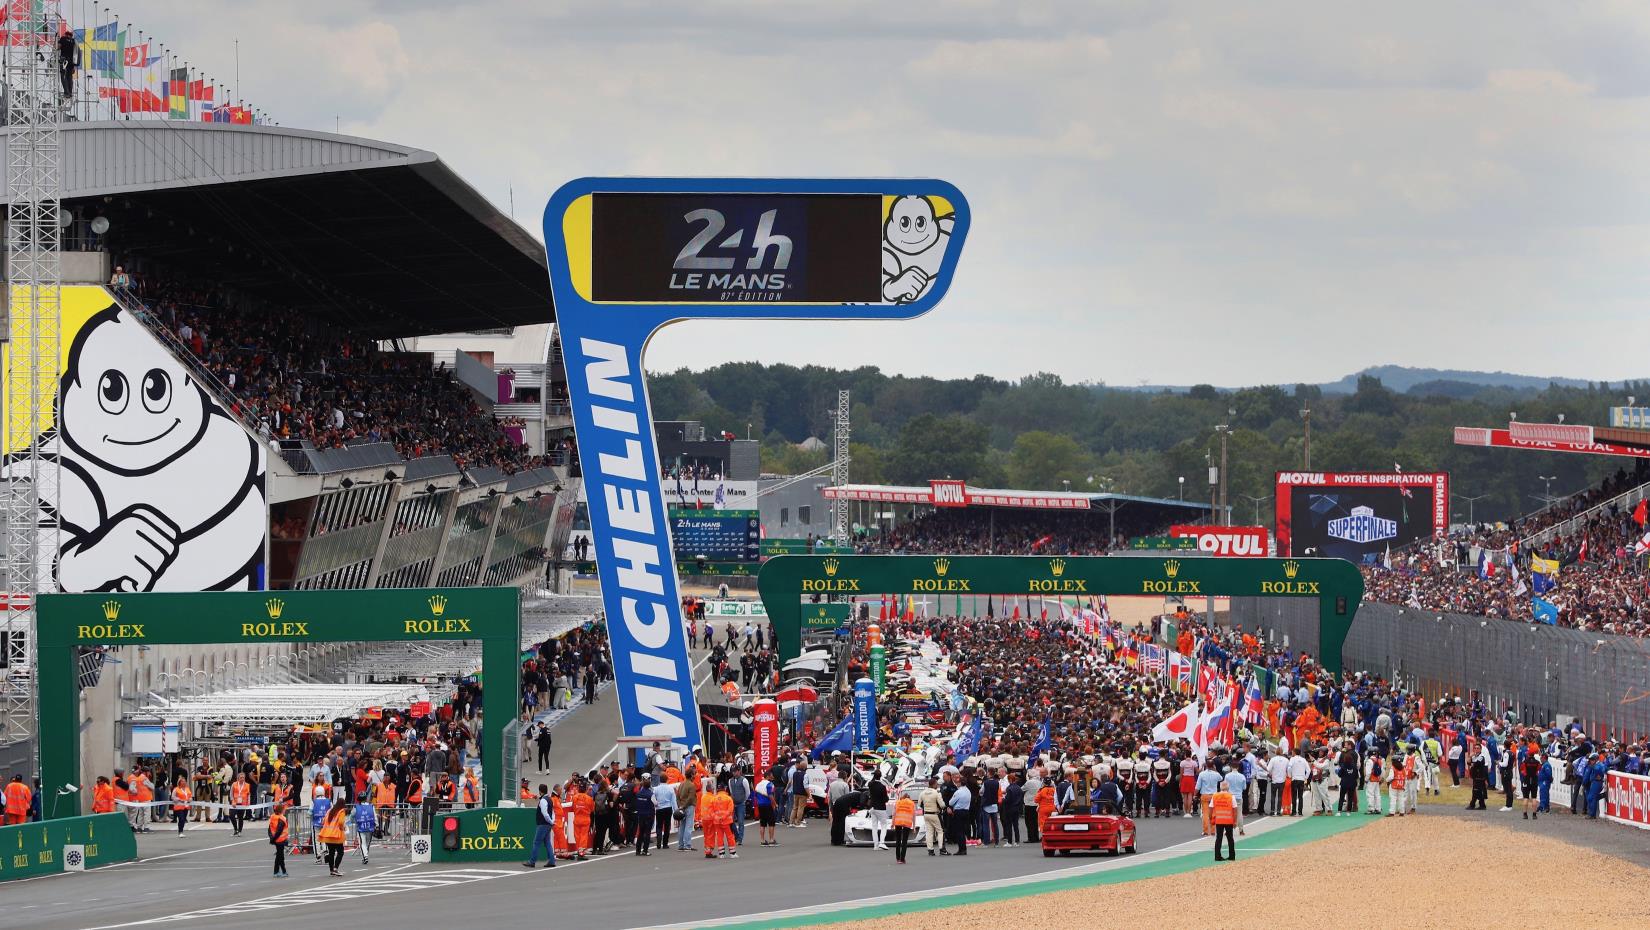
column 160, row 489
column 913, row 246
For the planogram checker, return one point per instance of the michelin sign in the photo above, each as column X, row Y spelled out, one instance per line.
column 631, row 255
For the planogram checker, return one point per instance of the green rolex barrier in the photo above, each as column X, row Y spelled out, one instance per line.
column 34, row 849
column 486, row 834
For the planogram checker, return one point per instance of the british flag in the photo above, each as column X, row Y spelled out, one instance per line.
column 1180, row 669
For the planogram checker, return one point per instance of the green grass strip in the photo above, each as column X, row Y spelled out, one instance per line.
column 1306, row 830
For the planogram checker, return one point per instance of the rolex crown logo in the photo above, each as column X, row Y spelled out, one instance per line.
column 274, row 605
column 111, row 610
column 491, row 822
column 438, row 604
column 1057, row 567
column 941, row 566
column 1171, row 567
column 831, row 565
column 1291, row 568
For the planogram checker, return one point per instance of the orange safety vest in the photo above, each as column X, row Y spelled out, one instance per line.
column 145, row 789
column 240, row 793
column 905, row 812
column 181, row 798
column 384, row 795
column 583, row 806
column 527, row 794
column 277, row 829
column 332, row 829
column 18, row 796
column 470, row 790
column 120, row 794
column 1222, row 810
column 415, row 791
column 1398, row 776
column 103, row 799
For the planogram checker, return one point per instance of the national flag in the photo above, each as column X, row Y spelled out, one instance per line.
column 1180, row 671
column 1583, row 554
column 1045, row 740
column 1518, row 583
column 1152, row 659
column 1218, row 726
column 176, row 92
column 131, row 100
column 1545, row 611
column 1206, row 682
column 1540, row 566
column 1486, row 564
column 840, row 739
column 910, row 608
column 1254, row 703
column 137, row 56
column 1130, row 655
column 968, row 744
column 1642, row 546
column 103, row 50
column 1639, row 513
column 721, row 489
column 1179, row 725
column 1386, row 562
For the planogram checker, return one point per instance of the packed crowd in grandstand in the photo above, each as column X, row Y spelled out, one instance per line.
column 1007, row 532
column 1600, row 586
column 293, row 379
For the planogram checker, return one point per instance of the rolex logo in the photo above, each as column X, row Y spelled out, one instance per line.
column 831, row 565
column 491, row 822
column 1057, row 567
column 1291, row 568
column 1171, row 567
column 941, row 566
column 438, row 604
column 111, row 610
column 274, row 605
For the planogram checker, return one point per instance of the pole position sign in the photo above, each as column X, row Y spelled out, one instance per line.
column 631, row 255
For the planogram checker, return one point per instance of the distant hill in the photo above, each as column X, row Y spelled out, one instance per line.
column 1402, row 380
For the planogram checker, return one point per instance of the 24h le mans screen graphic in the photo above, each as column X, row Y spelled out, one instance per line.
column 160, row 489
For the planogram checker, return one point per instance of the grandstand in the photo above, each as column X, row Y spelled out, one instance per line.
column 287, row 273
column 950, row 516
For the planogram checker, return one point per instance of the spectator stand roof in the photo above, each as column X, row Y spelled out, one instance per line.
column 284, row 704
column 384, row 239
column 1001, row 497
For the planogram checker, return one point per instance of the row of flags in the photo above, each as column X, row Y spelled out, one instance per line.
column 117, row 65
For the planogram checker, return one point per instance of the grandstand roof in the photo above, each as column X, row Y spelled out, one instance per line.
column 1001, row 497
column 384, row 239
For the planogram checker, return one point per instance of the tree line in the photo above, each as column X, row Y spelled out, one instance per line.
column 1040, row 433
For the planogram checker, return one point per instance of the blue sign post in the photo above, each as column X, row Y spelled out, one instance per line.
column 631, row 255
column 865, row 714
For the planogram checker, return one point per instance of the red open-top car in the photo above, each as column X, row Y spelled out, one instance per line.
column 1111, row 833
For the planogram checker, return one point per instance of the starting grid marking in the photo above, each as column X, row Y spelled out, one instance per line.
column 341, row 891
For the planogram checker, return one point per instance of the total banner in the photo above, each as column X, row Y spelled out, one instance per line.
column 865, row 714
column 628, row 256
column 1627, row 799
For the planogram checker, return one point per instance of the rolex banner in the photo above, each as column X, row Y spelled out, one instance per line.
column 486, row 834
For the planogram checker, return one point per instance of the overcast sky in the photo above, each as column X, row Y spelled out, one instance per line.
column 1162, row 191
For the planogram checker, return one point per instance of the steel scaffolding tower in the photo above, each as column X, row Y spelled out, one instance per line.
column 34, row 279
column 839, row 472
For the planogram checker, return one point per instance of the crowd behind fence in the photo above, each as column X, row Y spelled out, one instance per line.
column 1543, row 674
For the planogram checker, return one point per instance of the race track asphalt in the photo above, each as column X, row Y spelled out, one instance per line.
column 208, row 878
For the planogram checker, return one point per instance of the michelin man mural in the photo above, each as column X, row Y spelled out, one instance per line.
column 160, row 489
column 914, row 239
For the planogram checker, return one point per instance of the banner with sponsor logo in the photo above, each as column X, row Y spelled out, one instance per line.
column 1247, row 541
column 765, row 733
column 630, row 255
column 735, row 609
column 1627, row 799
column 1357, row 516
column 865, row 714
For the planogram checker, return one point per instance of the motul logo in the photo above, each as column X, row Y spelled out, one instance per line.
column 1245, row 541
column 1300, row 477
column 948, row 493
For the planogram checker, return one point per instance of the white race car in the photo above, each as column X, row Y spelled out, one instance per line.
column 857, row 828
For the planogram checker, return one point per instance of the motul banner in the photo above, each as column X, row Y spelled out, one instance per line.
column 1627, row 799
column 765, row 733
column 1246, row 541
column 948, row 493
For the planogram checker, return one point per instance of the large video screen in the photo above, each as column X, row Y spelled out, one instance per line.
column 1358, row 516
column 716, row 535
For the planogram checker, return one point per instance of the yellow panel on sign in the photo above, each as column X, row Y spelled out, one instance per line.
column 78, row 304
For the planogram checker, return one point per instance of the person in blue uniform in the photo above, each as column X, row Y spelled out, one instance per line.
column 641, row 812
column 1595, row 784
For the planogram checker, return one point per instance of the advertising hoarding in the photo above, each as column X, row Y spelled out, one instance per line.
column 1357, row 516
